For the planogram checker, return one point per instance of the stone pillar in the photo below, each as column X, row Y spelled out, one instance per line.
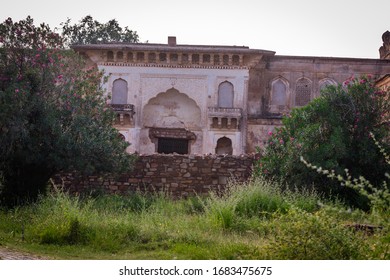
column 241, row 59
column 230, row 60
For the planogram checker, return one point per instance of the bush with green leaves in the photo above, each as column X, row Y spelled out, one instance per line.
column 332, row 131
column 53, row 113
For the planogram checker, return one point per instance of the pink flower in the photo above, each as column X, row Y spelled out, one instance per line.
column 269, row 133
column 17, row 90
column 281, row 141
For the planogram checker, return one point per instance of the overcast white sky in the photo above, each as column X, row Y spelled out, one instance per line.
column 337, row 28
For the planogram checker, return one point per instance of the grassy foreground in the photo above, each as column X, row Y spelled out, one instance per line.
column 253, row 221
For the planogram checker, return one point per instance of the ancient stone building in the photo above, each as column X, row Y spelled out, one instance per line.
column 193, row 99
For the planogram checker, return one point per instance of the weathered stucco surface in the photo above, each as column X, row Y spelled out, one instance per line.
column 172, row 86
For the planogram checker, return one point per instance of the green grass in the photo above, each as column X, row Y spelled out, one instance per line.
column 257, row 220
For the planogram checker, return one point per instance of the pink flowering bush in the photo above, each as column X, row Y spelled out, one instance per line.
column 332, row 131
column 53, row 113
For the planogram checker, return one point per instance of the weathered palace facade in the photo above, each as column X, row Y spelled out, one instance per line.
column 193, row 99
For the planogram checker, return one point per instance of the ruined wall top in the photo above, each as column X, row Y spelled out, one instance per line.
column 384, row 50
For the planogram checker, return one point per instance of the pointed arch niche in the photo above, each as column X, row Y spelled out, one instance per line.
column 279, row 97
column 324, row 83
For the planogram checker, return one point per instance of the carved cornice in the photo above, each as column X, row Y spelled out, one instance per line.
column 124, row 64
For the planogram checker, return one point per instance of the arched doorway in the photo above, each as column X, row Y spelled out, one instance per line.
column 224, row 146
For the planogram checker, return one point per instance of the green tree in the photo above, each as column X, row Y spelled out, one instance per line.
column 53, row 113
column 90, row 31
column 332, row 131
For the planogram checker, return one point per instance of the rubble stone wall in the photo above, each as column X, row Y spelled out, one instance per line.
column 178, row 175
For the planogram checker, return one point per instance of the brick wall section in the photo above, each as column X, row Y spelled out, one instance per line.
column 179, row 175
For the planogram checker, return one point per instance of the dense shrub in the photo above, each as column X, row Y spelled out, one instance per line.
column 53, row 113
column 332, row 131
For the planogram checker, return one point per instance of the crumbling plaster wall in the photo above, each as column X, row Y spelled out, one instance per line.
column 197, row 84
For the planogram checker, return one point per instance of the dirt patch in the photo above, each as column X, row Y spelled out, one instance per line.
column 9, row 254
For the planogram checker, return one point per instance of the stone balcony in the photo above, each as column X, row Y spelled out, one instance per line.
column 224, row 118
column 124, row 114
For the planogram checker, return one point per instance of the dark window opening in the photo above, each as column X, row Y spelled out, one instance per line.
column 195, row 58
column 171, row 145
column 206, row 58
column 163, row 57
column 174, row 57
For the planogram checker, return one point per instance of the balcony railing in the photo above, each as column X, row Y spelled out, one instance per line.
column 123, row 107
column 124, row 114
column 224, row 118
column 225, row 112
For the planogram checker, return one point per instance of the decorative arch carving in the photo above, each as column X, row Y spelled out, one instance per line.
column 172, row 109
column 279, row 95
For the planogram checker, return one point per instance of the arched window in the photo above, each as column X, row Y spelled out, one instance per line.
column 206, row 58
column 303, row 92
column 119, row 92
column 225, row 95
column 195, row 58
column 119, row 55
column 140, row 57
column 225, row 59
column 162, row 57
column 224, row 146
column 216, row 59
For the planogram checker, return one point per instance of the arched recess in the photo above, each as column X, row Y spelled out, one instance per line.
column 279, row 96
column 225, row 95
column 224, row 146
column 172, row 109
column 303, row 92
column 119, row 92
column 324, row 83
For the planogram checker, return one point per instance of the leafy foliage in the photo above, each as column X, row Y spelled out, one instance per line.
column 53, row 113
column 332, row 131
column 379, row 198
column 90, row 31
